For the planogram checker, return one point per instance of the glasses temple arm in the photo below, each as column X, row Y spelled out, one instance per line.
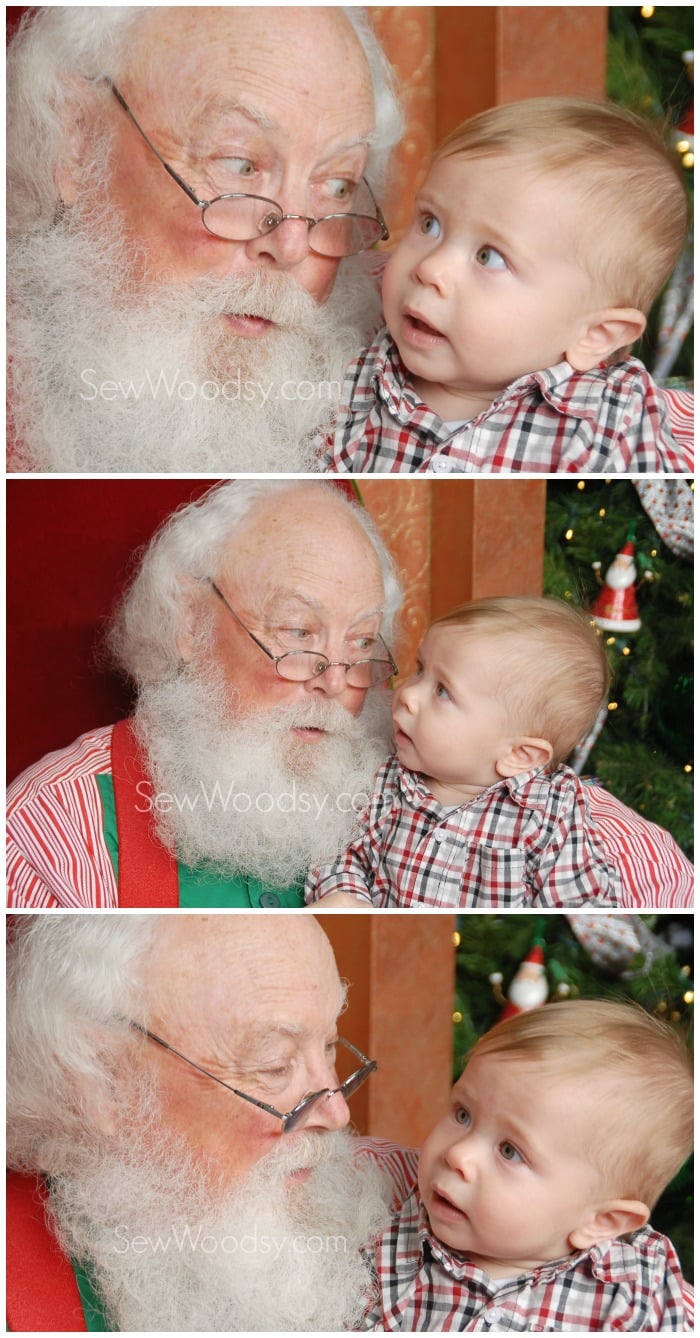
column 170, row 170
column 165, row 1046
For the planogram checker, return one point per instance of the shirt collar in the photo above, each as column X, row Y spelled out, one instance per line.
column 612, row 1261
column 570, row 392
column 530, row 788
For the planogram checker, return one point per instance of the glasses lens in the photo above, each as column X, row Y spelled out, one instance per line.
column 369, row 673
column 298, row 666
column 298, row 1117
column 356, row 1080
column 344, row 235
column 240, row 218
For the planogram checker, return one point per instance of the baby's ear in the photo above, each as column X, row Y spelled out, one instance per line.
column 524, row 755
column 615, row 1218
column 603, row 334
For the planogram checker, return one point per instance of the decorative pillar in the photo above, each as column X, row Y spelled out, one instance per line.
column 401, row 972
column 453, row 61
column 455, row 540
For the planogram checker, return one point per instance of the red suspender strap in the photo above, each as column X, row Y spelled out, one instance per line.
column 147, row 871
column 42, row 1293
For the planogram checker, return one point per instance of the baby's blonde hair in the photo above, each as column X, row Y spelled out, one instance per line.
column 614, row 159
column 640, row 1066
column 556, row 678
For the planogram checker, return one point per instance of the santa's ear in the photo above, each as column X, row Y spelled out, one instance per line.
column 78, row 115
column 609, row 1220
column 602, row 334
column 191, row 594
column 524, row 754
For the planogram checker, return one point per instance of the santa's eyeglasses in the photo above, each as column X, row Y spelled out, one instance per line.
column 239, row 217
column 301, row 666
column 297, row 1117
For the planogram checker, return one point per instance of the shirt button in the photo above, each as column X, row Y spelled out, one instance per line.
column 495, row 1316
column 439, row 835
column 441, row 465
column 269, row 899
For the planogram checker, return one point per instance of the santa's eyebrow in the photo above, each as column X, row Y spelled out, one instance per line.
column 221, row 108
column 283, row 597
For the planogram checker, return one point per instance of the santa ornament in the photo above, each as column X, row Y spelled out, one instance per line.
column 615, row 608
column 528, row 988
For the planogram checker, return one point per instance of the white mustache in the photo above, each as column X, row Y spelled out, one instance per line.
column 274, row 297
column 316, row 713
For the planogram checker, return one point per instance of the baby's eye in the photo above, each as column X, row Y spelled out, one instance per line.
column 509, row 1152
column 462, row 1116
column 428, row 225
column 489, row 258
column 442, row 692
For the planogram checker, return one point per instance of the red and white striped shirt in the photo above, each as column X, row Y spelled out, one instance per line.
column 618, row 1286
column 56, row 851
column 57, row 854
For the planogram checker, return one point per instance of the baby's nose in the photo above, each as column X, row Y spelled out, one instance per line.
column 460, row 1157
column 406, row 695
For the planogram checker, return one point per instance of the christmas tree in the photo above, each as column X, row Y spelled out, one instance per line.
column 643, row 753
column 645, row 959
column 650, row 71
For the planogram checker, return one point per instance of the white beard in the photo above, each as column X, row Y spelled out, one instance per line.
column 110, row 375
column 266, row 1256
column 251, row 799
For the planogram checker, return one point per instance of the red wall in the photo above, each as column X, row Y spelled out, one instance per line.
column 68, row 549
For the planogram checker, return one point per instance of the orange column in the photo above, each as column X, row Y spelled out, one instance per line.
column 487, row 55
column 407, row 36
column 401, row 971
column 452, row 61
column 487, row 539
column 455, row 540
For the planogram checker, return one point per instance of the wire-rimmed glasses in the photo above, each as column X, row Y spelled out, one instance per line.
column 297, row 1116
column 300, row 666
column 239, row 217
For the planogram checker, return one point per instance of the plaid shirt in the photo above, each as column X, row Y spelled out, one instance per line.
column 610, row 420
column 526, row 841
column 621, row 1285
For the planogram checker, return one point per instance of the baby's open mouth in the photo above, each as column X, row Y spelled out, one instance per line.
column 423, row 326
column 441, row 1202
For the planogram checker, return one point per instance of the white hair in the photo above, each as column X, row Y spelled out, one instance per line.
column 56, row 49
column 195, row 541
column 72, row 983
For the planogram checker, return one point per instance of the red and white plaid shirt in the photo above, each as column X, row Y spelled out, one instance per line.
column 525, row 841
column 610, row 420
column 619, row 1286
